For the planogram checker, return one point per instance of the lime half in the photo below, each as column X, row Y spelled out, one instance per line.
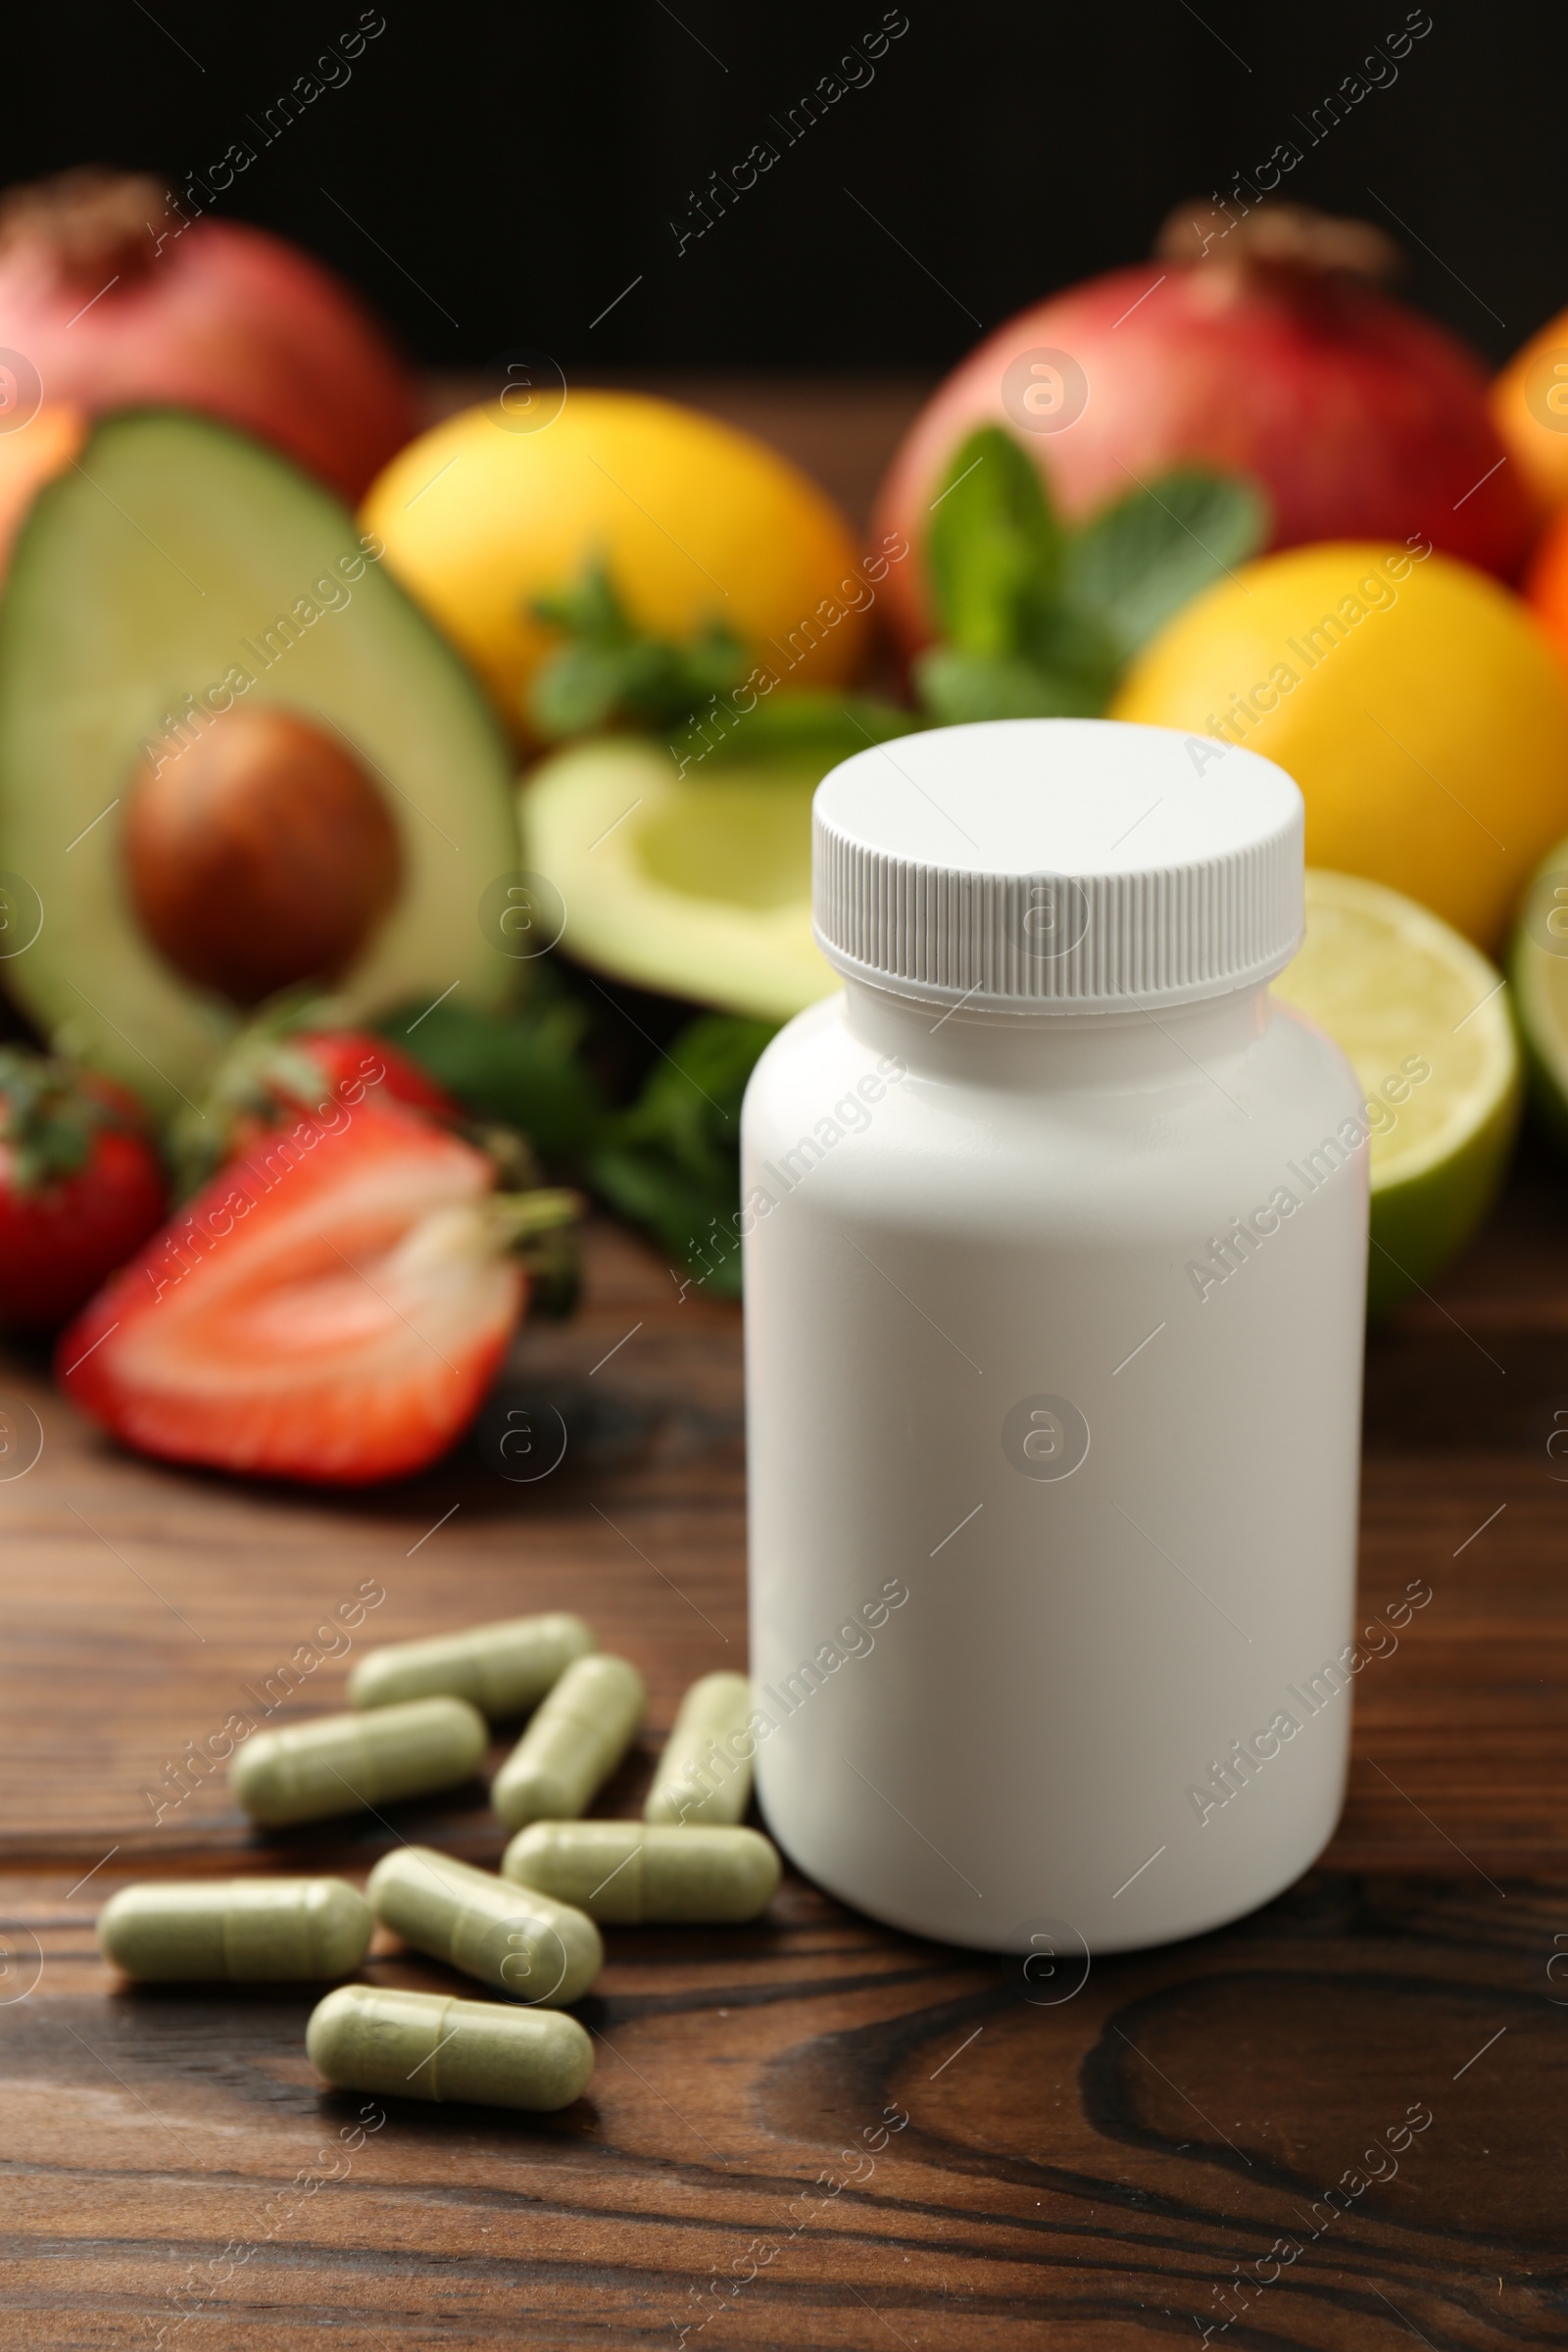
column 1537, row 966
column 1424, row 1019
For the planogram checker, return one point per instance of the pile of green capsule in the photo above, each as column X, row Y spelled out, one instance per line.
column 418, row 1724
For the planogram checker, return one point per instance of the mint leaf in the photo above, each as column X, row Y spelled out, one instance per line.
column 1140, row 560
column 690, row 1106
column 678, row 1211
column 671, row 1163
column 957, row 687
column 525, row 1069
column 612, row 672
column 805, row 727
column 995, row 551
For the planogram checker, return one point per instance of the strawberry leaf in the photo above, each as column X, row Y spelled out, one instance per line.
column 47, row 1119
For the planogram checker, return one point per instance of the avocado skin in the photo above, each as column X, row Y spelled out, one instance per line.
column 177, row 569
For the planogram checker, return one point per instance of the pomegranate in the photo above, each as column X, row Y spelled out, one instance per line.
column 109, row 299
column 1263, row 346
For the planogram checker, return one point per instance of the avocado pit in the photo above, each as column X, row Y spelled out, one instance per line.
column 260, row 855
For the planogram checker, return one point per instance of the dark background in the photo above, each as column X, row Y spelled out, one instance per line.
column 510, row 169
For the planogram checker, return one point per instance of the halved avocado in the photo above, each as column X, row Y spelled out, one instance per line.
column 173, row 560
column 701, row 888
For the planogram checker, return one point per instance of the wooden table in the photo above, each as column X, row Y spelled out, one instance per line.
column 808, row 2132
column 1088, row 2173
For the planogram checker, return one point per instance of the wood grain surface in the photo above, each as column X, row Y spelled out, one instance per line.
column 1095, row 2170
column 810, row 2132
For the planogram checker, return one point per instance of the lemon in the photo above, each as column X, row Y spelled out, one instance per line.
column 700, row 888
column 696, row 522
column 1418, row 704
column 1424, row 1020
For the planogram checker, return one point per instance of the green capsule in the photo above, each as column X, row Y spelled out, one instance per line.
column 338, row 1763
column 701, row 1776
column 423, row 2045
column 523, row 1943
column 503, row 1669
column 248, row 1931
column 576, row 1739
column 628, row 1872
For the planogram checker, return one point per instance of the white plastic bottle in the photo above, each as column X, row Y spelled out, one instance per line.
column 1056, row 1258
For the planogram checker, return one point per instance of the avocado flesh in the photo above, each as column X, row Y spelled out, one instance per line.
column 164, row 560
column 698, row 887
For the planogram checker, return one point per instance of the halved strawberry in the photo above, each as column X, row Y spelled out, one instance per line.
column 332, row 1307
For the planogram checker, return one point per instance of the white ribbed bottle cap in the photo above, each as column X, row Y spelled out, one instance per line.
column 1057, row 864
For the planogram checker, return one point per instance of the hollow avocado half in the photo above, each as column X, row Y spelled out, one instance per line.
column 173, row 560
column 699, row 888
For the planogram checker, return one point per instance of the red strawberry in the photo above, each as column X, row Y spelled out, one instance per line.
column 80, row 1188
column 350, row 1057
column 331, row 1307
column 280, row 1066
